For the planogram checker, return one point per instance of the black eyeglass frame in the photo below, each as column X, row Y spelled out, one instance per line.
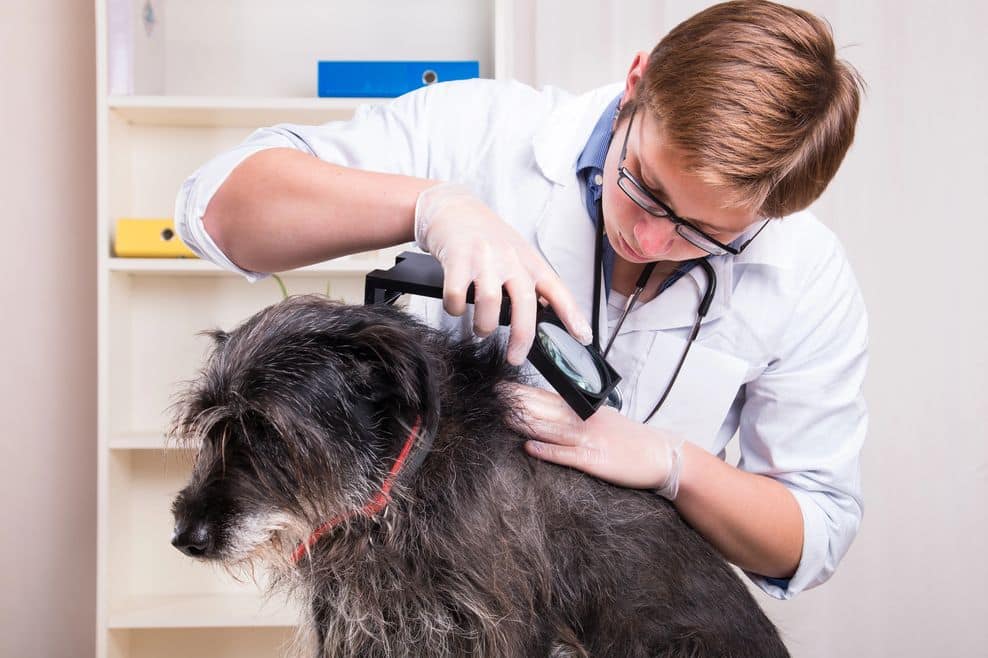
column 665, row 212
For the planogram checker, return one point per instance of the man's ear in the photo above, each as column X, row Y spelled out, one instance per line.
column 635, row 74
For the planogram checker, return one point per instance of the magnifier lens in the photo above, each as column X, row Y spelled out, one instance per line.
column 569, row 356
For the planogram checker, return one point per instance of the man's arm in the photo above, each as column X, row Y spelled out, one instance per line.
column 281, row 208
column 292, row 195
column 753, row 520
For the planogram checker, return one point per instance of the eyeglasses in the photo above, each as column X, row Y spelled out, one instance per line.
column 647, row 202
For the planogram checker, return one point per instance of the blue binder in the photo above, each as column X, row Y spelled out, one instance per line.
column 387, row 79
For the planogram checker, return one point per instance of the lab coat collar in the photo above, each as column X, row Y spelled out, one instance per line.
column 773, row 246
column 562, row 135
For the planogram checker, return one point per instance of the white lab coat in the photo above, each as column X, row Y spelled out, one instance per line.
column 780, row 357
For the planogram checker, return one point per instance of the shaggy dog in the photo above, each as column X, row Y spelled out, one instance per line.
column 366, row 460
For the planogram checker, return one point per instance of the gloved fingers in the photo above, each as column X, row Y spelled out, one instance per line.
column 547, row 404
column 584, row 458
column 487, row 303
column 521, row 291
column 458, row 274
column 551, row 287
column 476, row 246
column 544, row 415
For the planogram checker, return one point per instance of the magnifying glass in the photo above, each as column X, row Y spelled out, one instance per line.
column 579, row 373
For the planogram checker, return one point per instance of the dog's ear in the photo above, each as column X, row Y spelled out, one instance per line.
column 218, row 335
column 406, row 377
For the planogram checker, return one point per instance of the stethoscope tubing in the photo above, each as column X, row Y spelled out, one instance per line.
column 646, row 273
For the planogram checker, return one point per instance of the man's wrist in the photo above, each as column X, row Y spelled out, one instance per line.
column 429, row 203
column 670, row 488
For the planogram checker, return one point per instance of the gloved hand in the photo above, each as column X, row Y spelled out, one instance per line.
column 607, row 445
column 476, row 246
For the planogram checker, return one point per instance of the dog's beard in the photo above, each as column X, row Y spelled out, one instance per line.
column 263, row 536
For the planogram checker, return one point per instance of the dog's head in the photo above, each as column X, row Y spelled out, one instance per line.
column 296, row 413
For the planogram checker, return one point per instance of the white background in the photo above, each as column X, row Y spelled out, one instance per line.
column 908, row 205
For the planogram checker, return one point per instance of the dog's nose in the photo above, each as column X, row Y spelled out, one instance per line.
column 194, row 540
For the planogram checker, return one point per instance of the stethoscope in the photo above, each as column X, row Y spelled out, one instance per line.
column 615, row 398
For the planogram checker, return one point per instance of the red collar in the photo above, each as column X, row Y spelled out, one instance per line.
column 375, row 505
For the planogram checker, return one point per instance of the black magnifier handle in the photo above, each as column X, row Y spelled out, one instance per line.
column 418, row 274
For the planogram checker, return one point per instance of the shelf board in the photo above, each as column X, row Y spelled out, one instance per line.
column 141, row 441
column 356, row 266
column 203, row 611
column 231, row 111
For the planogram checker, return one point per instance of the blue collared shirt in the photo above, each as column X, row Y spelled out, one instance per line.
column 590, row 171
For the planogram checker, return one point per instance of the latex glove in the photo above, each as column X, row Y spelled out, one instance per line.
column 476, row 246
column 607, row 445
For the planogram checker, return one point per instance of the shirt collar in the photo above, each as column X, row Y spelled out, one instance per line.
column 595, row 152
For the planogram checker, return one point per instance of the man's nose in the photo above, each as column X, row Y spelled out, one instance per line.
column 655, row 236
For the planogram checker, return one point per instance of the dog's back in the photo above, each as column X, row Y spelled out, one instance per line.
column 480, row 549
column 610, row 571
column 650, row 584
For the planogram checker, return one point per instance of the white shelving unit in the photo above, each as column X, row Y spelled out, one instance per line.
column 197, row 111
column 202, row 76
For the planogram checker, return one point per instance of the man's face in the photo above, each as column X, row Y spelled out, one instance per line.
column 639, row 237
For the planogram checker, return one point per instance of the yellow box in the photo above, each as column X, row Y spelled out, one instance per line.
column 149, row 238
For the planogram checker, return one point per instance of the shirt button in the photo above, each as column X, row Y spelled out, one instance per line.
column 598, row 179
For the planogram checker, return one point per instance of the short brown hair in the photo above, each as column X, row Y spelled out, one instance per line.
column 753, row 94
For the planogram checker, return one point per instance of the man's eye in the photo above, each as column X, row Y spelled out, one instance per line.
column 659, row 195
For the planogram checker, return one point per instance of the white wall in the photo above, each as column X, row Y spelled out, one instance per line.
column 910, row 206
column 47, row 329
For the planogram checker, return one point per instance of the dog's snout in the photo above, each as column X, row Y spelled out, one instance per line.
column 194, row 540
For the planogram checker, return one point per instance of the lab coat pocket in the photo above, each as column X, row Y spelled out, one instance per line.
column 700, row 398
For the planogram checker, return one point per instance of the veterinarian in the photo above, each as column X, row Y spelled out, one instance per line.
column 729, row 129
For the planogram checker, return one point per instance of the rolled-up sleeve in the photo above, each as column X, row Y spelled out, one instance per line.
column 804, row 418
column 387, row 138
column 196, row 192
